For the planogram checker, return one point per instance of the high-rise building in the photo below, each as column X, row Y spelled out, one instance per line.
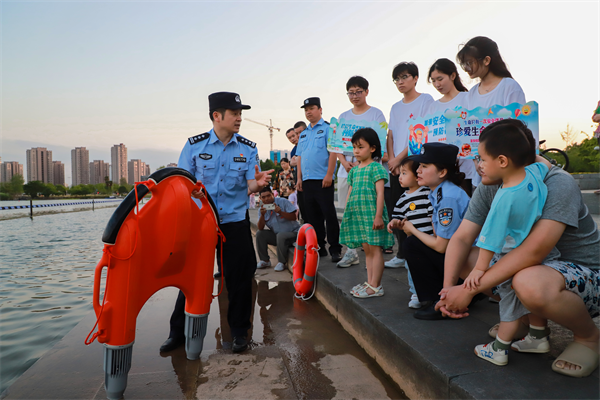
column 59, row 172
column 39, row 165
column 136, row 169
column 172, row 164
column 118, row 160
column 147, row 172
column 277, row 155
column 8, row 169
column 80, row 166
column 98, row 171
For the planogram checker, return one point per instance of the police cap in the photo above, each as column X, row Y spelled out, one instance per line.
column 226, row 100
column 437, row 153
column 312, row 101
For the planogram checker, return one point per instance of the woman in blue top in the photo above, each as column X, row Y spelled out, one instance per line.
column 425, row 253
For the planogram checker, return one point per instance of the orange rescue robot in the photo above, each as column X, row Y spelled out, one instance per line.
column 171, row 241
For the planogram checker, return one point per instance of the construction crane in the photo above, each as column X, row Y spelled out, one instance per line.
column 270, row 127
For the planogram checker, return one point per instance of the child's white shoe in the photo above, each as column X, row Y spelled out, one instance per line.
column 414, row 302
column 487, row 352
column 529, row 344
column 356, row 288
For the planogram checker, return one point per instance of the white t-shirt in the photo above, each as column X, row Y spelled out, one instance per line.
column 507, row 92
column 436, row 108
column 372, row 114
column 401, row 113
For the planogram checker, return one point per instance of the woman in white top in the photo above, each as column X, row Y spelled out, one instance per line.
column 480, row 58
column 444, row 77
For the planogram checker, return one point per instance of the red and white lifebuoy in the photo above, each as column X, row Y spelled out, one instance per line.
column 304, row 277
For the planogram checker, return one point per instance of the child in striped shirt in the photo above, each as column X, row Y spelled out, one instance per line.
column 413, row 206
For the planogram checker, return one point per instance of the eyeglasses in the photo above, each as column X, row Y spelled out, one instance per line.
column 402, row 78
column 358, row 93
column 477, row 158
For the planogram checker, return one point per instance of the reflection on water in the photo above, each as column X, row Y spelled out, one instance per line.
column 46, row 282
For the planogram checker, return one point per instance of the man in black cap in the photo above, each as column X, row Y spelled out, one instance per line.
column 227, row 165
column 315, row 178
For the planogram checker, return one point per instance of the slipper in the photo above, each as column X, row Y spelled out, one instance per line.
column 362, row 292
column 577, row 354
column 388, row 251
column 520, row 334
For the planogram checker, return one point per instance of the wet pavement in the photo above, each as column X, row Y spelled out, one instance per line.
column 298, row 351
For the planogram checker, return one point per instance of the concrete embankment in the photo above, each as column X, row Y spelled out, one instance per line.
column 434, row 359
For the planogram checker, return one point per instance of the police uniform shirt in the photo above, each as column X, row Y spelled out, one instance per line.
column 450, row 204
column 224, row 171
column 312, row 148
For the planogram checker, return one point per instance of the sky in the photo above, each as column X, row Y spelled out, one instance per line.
column 95, row 74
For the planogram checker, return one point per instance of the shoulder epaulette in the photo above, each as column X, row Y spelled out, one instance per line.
column 247, row 142
column 199, row 138
column 327, row 122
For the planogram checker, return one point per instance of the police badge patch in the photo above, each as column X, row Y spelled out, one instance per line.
column 205, row 156
column 445, row 216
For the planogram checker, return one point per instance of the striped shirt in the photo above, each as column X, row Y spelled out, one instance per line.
column 416, row 208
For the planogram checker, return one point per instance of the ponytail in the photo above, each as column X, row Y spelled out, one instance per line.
column 453, row 173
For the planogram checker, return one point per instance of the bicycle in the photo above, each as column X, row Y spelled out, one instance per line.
column 556, row 157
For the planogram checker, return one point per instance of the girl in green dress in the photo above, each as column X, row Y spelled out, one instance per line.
column 365, row 216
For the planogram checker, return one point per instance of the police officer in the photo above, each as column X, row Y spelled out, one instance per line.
column 315, row 178
column 227, row 165
column 425, row 253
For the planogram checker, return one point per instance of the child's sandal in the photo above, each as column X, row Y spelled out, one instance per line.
column 363, row 294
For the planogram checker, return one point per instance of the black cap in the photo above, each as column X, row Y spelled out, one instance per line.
column 226, row 100
column 312, row 101
column 437, row 153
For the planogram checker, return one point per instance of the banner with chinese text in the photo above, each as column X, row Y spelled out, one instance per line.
column 341, row 131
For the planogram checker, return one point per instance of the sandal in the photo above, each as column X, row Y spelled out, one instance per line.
column 358, row 287
column 577, row 354
column 362, row 292
column 389, row 250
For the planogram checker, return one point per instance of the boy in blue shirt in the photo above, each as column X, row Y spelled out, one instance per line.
column 505, row 149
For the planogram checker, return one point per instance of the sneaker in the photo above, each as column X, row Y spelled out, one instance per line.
column 414, row 302
column 487, row 352
column 336, row 256
column 529, row 344
column 263, row 264
column 280, row 267
column 323, row 252
column 395, row 263
column 350, row 258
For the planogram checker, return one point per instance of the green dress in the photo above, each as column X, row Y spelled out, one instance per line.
column 359, row 215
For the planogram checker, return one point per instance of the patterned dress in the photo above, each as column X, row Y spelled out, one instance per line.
column 359, row 215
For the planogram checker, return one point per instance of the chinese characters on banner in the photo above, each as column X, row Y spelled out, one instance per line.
column 462, row 127
column 341, row 131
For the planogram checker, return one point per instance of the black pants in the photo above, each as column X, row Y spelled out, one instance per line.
column 320, row 208
column 301, row 205
column 426, row 267
column 397, row 191
column 239, row 265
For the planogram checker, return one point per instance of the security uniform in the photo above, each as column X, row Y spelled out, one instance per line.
column 450, row 203
column 318, row 201
column 224, row 171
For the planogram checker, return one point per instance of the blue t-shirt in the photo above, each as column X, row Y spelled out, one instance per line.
column 514, row 211
column 450, row 203
column 277, row 223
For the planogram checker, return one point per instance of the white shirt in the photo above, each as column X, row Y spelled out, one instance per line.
column 401, row 113
column 507, row 92
column 437, row 108
column 372, row 114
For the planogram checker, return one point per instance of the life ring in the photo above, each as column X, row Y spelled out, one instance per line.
column 304, row 277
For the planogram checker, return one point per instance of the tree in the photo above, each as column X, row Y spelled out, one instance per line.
column 33, row 188
column 49, row 189
column 108, row 183
column 161, row 167
column 15, row 186
column 267, row 165
column 60, row 189
column 122, row 190
column 583, row 157
column 569, row 135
